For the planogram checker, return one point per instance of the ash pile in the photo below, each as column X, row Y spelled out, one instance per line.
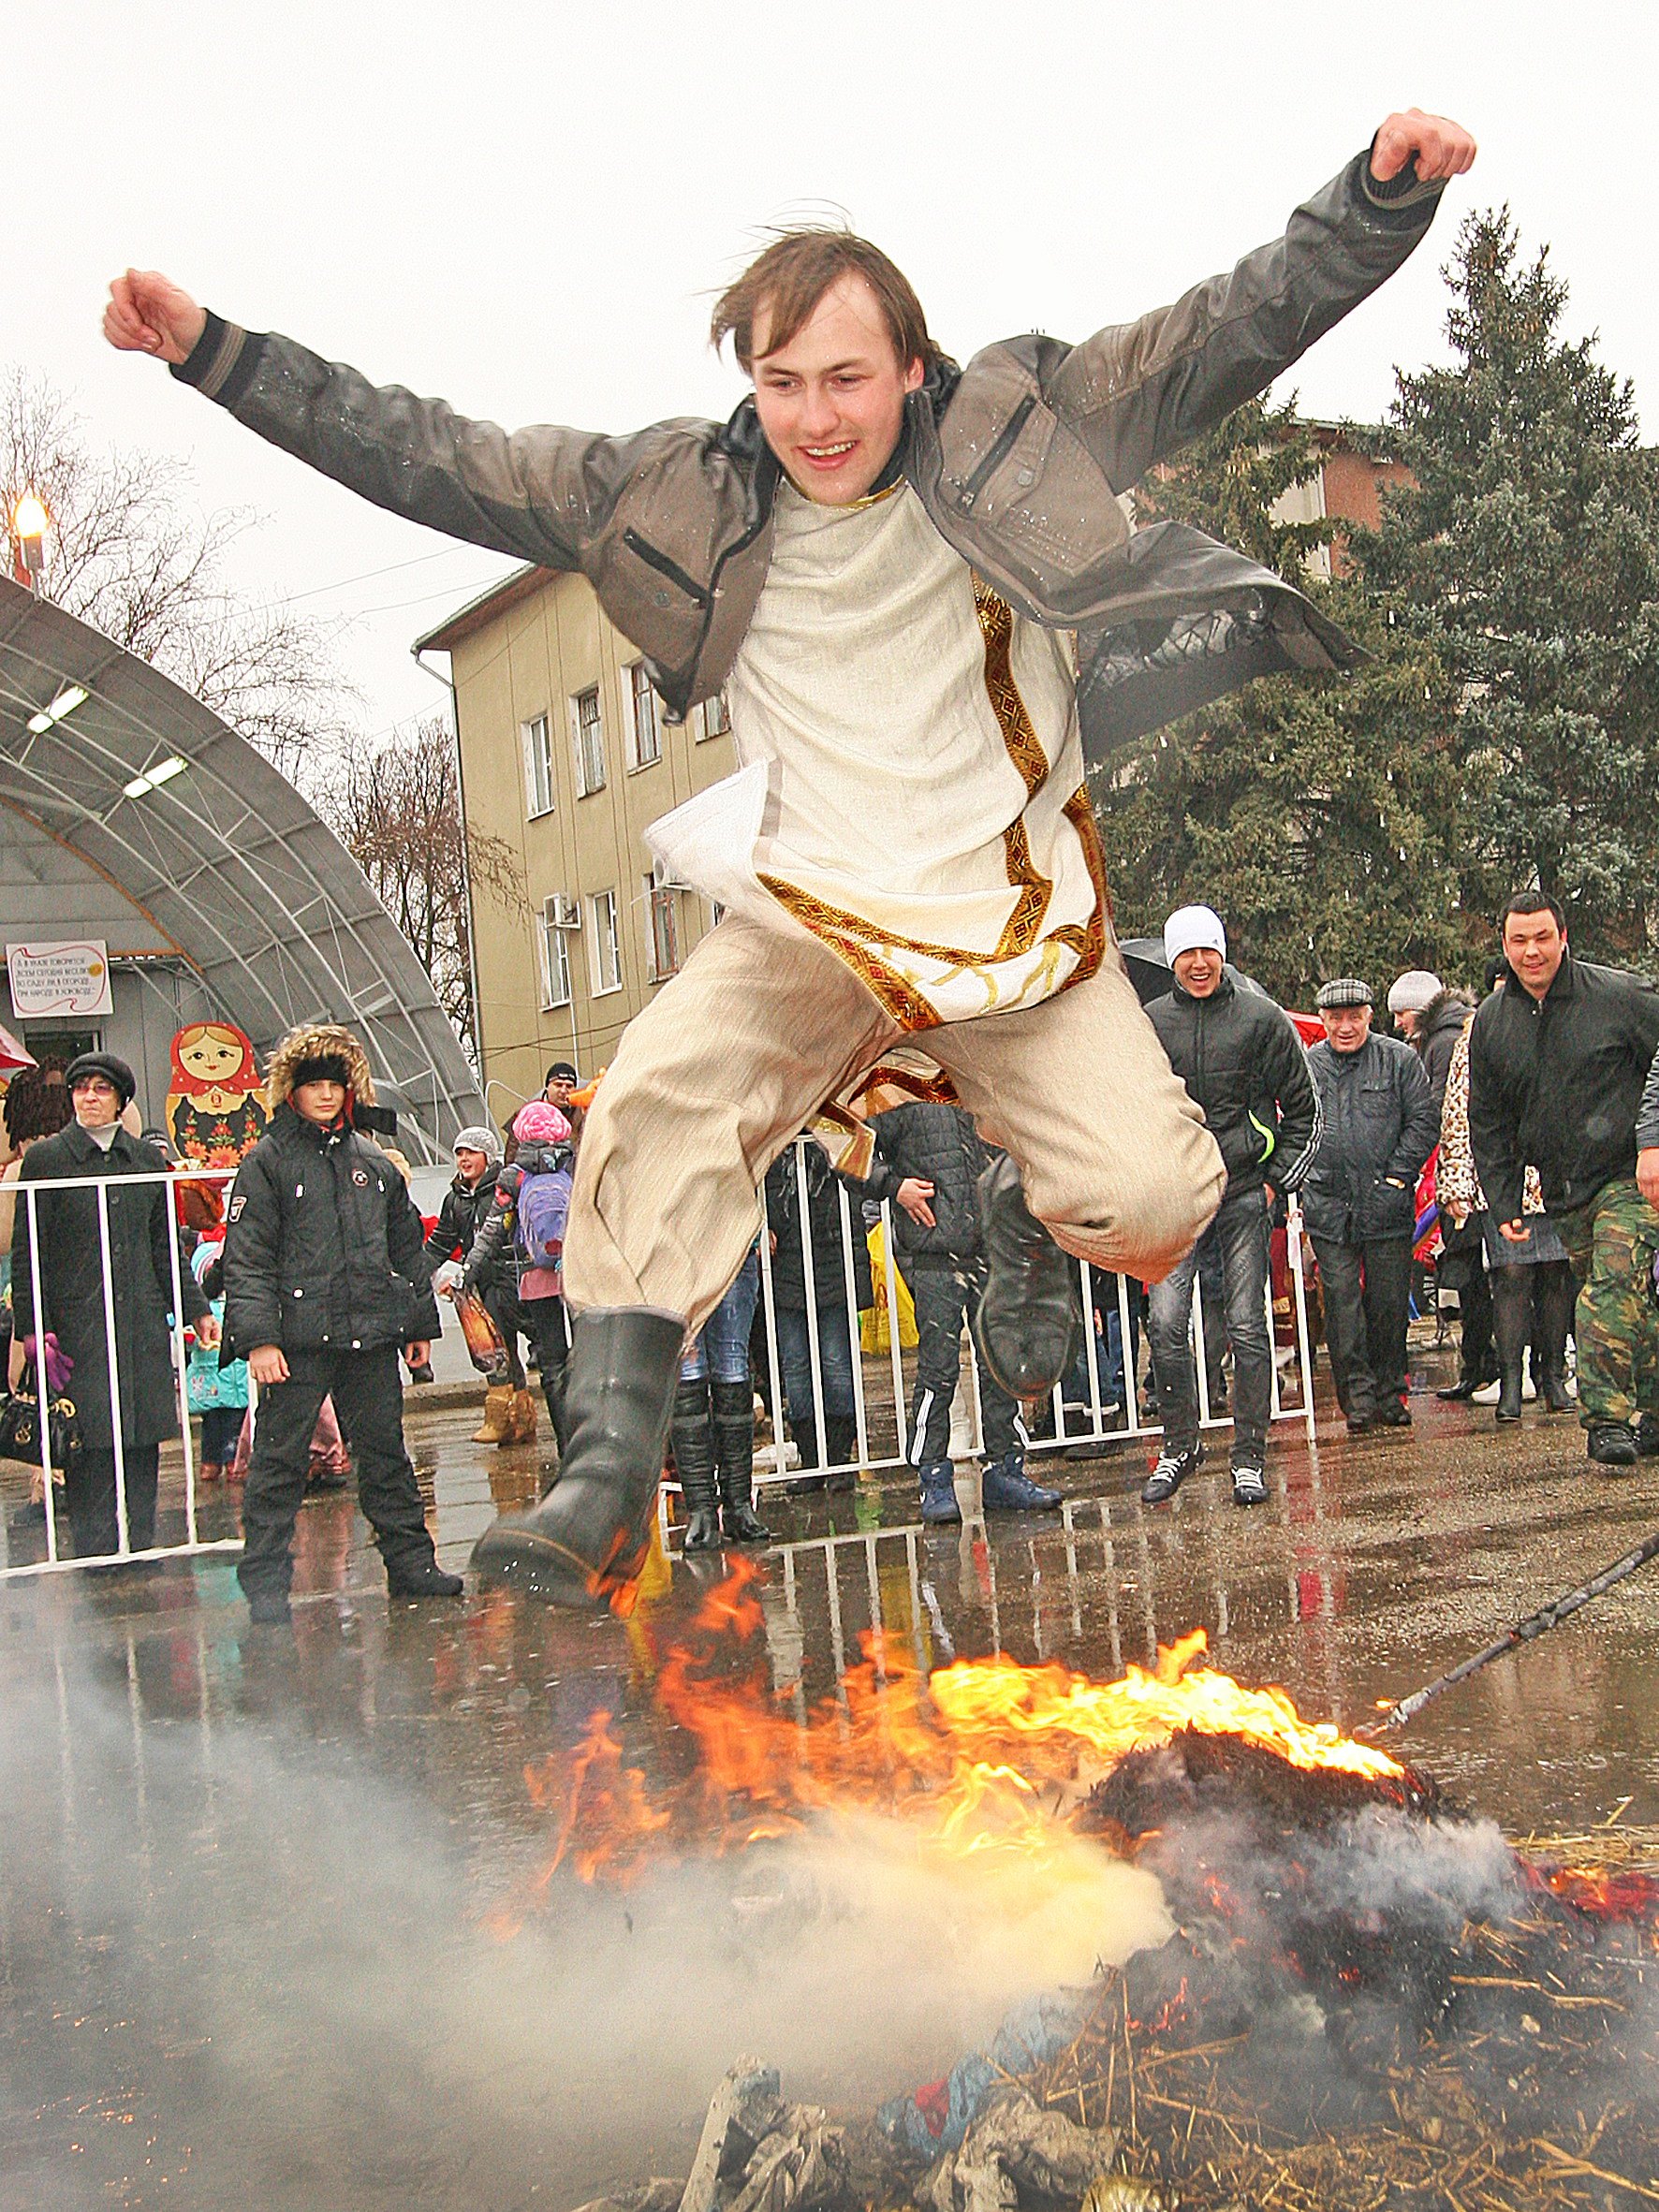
column 1371, row 2001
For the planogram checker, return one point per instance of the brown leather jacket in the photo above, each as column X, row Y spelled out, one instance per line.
column 1019, row 459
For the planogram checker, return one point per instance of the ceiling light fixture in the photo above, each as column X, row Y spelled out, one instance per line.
column 66, row 703
column 163, row 773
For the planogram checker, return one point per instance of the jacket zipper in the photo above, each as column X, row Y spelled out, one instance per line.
column 664, row 567
column 740, row 545
column 1000, row 446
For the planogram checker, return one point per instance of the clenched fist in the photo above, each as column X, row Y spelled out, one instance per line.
column 149, row 313
column 1443, row 148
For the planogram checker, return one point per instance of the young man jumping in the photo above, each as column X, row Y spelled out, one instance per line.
column 918, row 587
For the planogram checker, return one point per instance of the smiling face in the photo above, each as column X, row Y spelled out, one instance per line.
column 1534, row 945
column 210, row 1054
column 1346, row 1027
column 832, row 400
column 1197, row 972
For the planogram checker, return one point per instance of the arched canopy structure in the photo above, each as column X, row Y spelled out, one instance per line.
column 221, row 868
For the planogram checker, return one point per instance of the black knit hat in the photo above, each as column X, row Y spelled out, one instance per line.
column 115, row 1072
column 328, row 1067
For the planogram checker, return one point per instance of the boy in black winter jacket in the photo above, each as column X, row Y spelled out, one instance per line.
column 323, row 1283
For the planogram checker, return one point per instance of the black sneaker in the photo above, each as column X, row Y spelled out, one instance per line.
column 1250, row 1484
column 1168, row 1474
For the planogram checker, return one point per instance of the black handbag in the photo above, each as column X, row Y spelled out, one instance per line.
column 19, row 1426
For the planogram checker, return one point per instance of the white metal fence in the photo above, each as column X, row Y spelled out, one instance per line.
column 1070, row 1429
column 28, row 1196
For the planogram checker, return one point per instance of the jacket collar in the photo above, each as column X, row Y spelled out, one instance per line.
column 1224, row 990
column 1563, row 984
column 80, row 1147
column 287, row 1123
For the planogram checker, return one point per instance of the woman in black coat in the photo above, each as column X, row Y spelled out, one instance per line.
column 72, row 1301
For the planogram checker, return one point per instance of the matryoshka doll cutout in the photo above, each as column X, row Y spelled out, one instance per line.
column 216, row 1108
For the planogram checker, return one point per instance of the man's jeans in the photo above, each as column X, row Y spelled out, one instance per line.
column 1367, row 1289
column 1241, row 1229
column 835, row 1364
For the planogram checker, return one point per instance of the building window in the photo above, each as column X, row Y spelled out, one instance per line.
column 662, row 904
column 587, row 738
column 538, row 767
column 559, row 917
column 715, row 718
column 605, row 945
column 647, row 746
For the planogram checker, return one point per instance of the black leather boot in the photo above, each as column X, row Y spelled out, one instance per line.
column 692, row 1433
column 734, row 1455
column 586, row 1541
column 1024, row 1323
column 1554, row 1299
column 1512, row 1317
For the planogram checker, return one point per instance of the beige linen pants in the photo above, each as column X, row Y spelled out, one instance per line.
column 733, row 1055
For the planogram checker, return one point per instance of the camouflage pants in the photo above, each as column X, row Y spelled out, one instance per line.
column 1611, row 1243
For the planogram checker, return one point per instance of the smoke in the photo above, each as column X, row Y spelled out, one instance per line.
column 241, row 1965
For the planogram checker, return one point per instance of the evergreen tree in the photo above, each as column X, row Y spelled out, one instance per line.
column 1315, row 815
column 1526, row 562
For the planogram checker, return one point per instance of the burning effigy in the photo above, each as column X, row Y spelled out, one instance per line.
column 1267, row 1964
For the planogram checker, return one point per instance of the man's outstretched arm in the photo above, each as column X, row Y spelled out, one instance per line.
column 536, row 493
column 1139, row 392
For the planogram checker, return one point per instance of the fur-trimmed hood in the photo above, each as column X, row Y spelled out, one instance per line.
column 318, row 1040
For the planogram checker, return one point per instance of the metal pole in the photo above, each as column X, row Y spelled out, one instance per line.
column 891, row 1262
column 772, row 1337
column 852, row 1321
column 43, row 1415
column 1086, row 1274
column 172, row 1247
column 122, row 1544
column 809, row 1284
column 1292, row 1244
column 1535, row 1624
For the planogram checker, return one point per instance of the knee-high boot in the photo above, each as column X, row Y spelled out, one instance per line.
column 585, row 1543
column 1554, row 1298
column 692, row 1434
column 1512, row 1319
column 734, row 1451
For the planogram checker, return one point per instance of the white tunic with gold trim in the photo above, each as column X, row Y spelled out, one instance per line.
column 911, row 789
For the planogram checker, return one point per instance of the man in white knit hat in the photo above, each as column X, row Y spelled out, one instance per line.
column 1243, row 1065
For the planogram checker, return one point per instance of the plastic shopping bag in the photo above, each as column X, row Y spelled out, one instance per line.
column 874, row 1334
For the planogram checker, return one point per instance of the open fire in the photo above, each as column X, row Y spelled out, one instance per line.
column 1366, row 1995
column 980, row 1755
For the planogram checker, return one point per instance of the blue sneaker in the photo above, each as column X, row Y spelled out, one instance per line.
column 1005, row 1487
column 938, row 1493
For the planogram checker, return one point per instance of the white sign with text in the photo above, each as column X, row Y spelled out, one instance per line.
column 69, row 976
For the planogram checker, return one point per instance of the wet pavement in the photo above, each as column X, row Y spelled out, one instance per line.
column 273, row 1927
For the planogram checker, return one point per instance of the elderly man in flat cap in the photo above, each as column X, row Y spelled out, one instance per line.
column 1360, row 1200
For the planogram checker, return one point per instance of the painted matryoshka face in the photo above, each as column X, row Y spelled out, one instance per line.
column 211, row 1053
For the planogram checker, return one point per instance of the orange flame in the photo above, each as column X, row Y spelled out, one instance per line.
column 980, row 1756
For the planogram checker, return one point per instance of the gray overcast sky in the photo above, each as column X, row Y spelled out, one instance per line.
column 525, row 209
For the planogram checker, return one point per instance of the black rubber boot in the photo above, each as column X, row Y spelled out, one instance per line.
column 1512, row 1318
column 553, row 1389
column 420, row 1578
column 586, row 1541
column 734, row 1457
column 1024, row 1323
column 692, row 1433
column 1554, row 1298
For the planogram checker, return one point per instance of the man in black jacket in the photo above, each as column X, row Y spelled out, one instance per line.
column 1557, row 1062
column 324, row 1281
column 1361, row 1200
column 1243, row 1063
column 929, row 1161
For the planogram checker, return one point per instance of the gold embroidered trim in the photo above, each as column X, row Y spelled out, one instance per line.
column 852, row 937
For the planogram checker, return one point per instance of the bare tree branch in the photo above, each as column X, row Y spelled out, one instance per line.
column 129, row 553
column 397, row 812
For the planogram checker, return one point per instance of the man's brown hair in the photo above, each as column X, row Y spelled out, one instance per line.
column 793, row 274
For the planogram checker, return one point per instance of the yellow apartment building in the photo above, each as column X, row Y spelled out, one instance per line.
column 566, row 756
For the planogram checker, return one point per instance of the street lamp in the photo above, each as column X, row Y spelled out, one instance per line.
column 29, row 521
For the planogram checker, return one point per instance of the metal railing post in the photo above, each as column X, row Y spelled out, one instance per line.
column 42, row 1396
column 122, row 1542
